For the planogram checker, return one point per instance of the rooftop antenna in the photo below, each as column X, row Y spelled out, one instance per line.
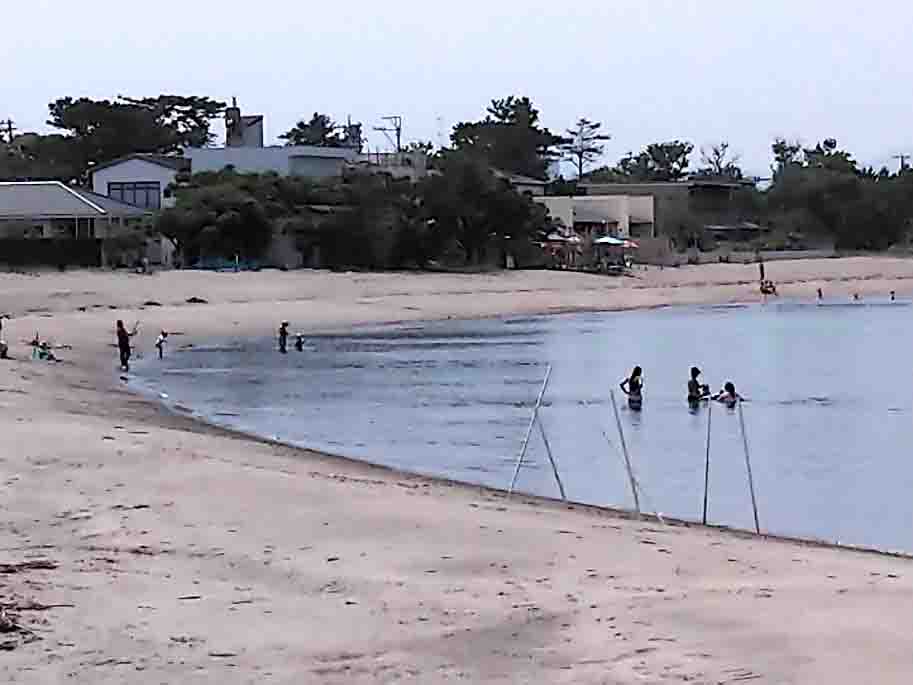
column 396, row 127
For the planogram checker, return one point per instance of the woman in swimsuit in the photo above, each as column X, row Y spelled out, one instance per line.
column 633, row 387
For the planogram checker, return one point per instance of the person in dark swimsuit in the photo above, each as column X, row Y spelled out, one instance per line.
column 283, row 337
column 696, row 391
column 299, row 342
column 633, row 387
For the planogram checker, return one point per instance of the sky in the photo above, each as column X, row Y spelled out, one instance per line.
column 649, row 70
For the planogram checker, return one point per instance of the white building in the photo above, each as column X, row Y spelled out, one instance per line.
column 139, row 180
column 287, row 160
column 618, row 215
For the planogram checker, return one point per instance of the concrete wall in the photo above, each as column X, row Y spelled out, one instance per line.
column 132, row 171
column 316, row 167
column 302, row 160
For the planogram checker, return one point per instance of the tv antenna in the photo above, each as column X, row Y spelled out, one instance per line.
column 396, row 128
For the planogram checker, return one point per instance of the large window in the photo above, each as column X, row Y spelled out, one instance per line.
column 145, row 194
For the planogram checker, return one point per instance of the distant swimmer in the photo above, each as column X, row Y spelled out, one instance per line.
column 856, row 297
column 696, row 390
column 893, row 296
column 283, row 338
column 633, row 387
column 299, row 342
column 820, row 295
column 728, row 396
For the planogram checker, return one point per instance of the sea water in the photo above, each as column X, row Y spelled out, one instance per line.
column 828, row 416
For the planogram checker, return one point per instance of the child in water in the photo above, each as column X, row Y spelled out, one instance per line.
column 299, row 343
column 633, row 387
column 728, row 396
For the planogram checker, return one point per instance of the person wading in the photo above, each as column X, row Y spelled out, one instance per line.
column 283, row 338
column 633, row 387
column 696, row 391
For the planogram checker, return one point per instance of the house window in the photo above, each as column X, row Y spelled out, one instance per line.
column 145, row 194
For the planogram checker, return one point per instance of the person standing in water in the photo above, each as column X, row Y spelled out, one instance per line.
column 696, row 391
column 299, row 343
column 160, row 343
column 893, row 296
column 820, row 296
column 633, row 387
column 283, row 338
column 728, row 396
column 123, row 345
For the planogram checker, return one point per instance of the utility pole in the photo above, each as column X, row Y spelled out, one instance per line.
column 397, row 129
column 903, row 161
column 8, row 127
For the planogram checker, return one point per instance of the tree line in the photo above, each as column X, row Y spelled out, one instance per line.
column 816, row 189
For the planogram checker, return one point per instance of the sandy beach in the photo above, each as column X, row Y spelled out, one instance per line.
column 143, row 547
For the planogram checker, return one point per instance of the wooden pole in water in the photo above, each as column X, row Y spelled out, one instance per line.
column 754, row 503
column 529, row 429
column 548, row 451
column 624, row 450
column 707, row 460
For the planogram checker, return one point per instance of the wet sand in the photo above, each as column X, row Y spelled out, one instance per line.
column 186, row 554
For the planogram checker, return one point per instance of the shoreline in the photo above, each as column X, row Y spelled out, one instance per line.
column 189, row 554
column 305, row 452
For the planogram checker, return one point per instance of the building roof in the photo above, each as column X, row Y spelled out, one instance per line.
column 519, row 179
column 53, row 199
column 167, row 161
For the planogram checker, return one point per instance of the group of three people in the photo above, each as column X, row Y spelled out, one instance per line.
column 633, row 387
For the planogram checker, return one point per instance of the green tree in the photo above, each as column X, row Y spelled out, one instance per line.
column 583, row 144
column 320, row 131
column 34, row 157
column 103, row 130
column 509, row 138
column 659, row 162
column 719, row 163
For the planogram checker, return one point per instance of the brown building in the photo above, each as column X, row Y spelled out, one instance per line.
column 687, row 205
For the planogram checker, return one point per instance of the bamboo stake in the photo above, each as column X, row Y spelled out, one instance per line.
column 707, row 460
column 529, row 429
column 548, row 450
column 754, row 503
column 624, row 449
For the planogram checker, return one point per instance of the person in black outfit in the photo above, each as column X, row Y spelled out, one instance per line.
column 123, row 345
column 283, row 338
column 633, row 387
column 696, row 390
column 299, row 342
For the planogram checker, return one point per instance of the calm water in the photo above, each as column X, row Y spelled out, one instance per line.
column 829, row 417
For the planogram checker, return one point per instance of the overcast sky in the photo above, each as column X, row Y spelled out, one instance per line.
column 650, row 70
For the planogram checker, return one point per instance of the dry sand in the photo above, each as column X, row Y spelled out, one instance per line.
column 183, row 554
